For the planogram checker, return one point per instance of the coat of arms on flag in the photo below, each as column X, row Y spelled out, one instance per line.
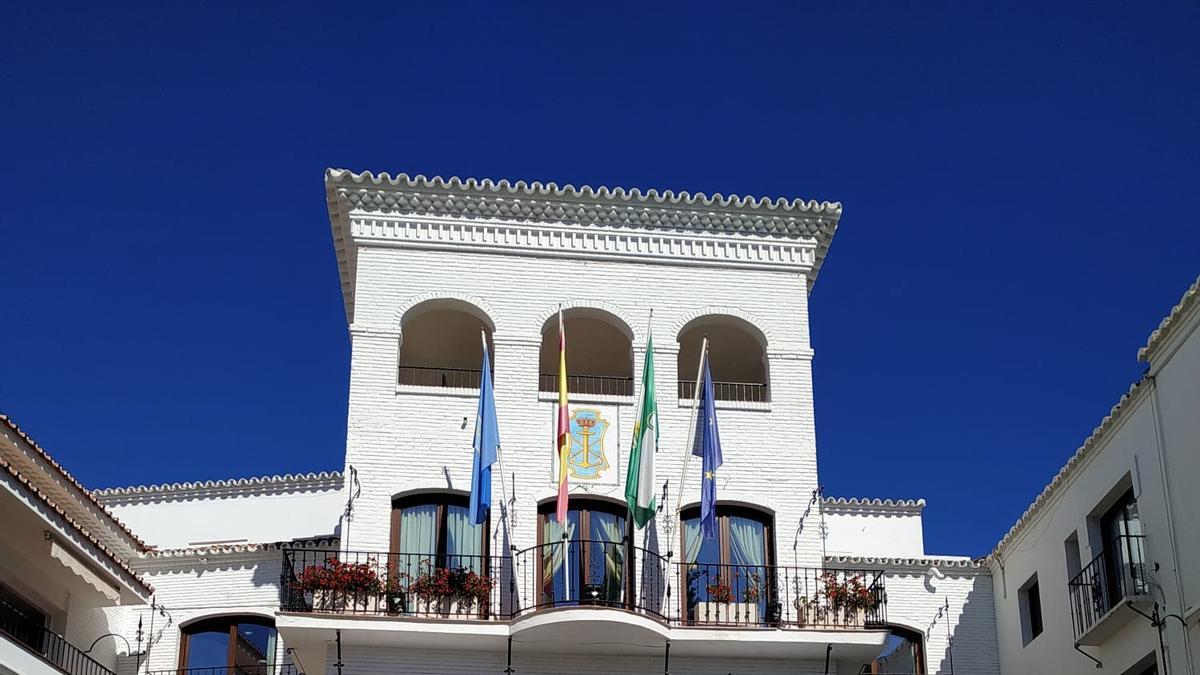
column 587, row 458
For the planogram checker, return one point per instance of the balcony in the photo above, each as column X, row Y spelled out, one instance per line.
column 739, row 392
column 1102, row 591
column 262, row 669
column 584, row 575
column 28, row 647
column 588, row 385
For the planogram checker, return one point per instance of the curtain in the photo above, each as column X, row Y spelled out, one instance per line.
column 691, row 540
column 611, row 530
column 464, row 540
column 553, row 558
column 418, row 538
column 748, row 551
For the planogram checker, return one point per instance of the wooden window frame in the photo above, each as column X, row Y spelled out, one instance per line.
column 585, row 506
column 232, row 621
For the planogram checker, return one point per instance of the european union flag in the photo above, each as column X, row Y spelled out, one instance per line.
column 708, row 446
column 487, row 442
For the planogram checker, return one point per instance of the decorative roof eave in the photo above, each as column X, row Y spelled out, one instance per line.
column 123, row 530
column 873, row 504
column 921, row 563
column 318, row 543
column 682, row 212
column 1094, row 441
column 131, row 577
column 281, row 483
column 1174, row 319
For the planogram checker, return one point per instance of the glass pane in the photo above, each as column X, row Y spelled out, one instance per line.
column 604, row 568
column 209, row 649
column 254, row 650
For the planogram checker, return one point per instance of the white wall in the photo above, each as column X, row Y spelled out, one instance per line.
column 177, row 521
column 881, row 529
column 417, row 440
column 1125, row 453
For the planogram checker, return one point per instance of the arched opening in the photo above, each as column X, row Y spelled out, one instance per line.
column 587, row 560
column 729, row 579
column 440, row 345
column 903, row 654
column 737, row 357
column 237, row 644
column 599, row 353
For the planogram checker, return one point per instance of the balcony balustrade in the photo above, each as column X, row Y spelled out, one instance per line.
column 595, row 385
column 451, row 378
column 1117, row 574
column 258, row 669
column 46, row 644
column 741, row 392
column 584, row 574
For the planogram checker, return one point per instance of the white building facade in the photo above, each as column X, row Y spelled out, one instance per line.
column 379, row 569
column 1103, row 570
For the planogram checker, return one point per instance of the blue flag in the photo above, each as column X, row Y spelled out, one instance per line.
column 708, row 446
column 487, row 443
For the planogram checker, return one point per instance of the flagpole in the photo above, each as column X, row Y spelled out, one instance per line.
column 691, row 440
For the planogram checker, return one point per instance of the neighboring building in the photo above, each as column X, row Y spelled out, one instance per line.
column 65, row 573
column 378, row 569
column 1114, row 536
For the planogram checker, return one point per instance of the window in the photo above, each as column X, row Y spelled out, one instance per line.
column 437, row 528
column 599, row 354
column 439, row 344
column 737, row 354
column 22, row 619
column 1030, row 600
column 1124, row 560
column 588, row 560
column 243, row 644
column 732, row 567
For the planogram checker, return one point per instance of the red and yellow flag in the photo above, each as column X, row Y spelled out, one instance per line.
column 563, row 437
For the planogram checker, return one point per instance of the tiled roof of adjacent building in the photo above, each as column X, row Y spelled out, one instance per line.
column 74, row 524
column 875, row 502
column 1189, row 301
column 83, row 493
column 1083, row 452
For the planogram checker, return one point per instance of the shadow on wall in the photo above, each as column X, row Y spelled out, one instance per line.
column 972, row 649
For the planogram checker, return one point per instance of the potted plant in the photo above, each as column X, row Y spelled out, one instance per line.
column 849, row 599
column 338, row 586
column 396, row 594
column 444, row 592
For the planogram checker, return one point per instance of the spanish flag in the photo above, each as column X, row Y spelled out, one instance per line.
column 563, row 437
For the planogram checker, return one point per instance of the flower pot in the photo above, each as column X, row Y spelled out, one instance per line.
column 727, row 613
column 397, row 603
column 340, row 602
column 849, row 617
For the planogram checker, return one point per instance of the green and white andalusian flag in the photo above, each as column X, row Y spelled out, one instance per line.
column 639, row 482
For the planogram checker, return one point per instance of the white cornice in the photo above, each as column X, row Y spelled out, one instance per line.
column 979, row 566
column 866, row 505
column 545, row 219
column 212, row 489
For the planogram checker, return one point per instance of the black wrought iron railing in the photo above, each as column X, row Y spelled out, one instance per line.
column 46, row 644
column 742, row 392
column 255, row 669
column 450, row 378
column 581, row 573
column 397, row 584
column 597, row 385
column 1119, row 572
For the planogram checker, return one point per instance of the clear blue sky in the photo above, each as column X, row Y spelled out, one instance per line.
column 1019, row 189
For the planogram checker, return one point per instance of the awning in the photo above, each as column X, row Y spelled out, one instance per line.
column 83, row 571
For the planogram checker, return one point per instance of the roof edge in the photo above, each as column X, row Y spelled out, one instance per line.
column 1171, row 322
